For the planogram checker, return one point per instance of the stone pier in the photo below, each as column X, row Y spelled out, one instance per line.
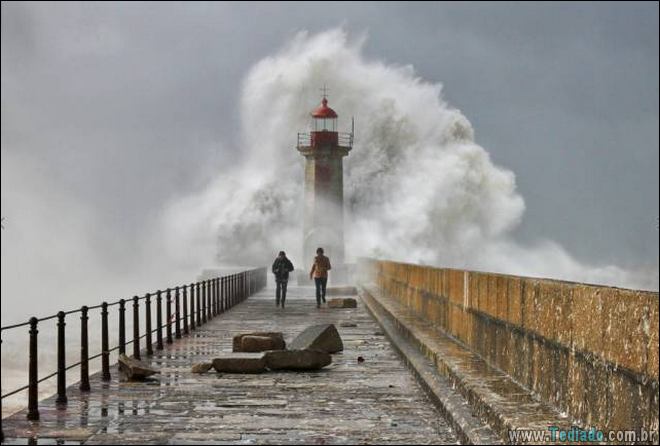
column 431, row 356
column 349, row 402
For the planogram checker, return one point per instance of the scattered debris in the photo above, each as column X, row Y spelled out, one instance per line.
column 259, row 344
column 276, row 342
column 202, row 367
column 240, row 363
column 323, row 338
column 297, row 359
column 134, row 370
column 343, row 302
column 342, row 291
column 262, row 351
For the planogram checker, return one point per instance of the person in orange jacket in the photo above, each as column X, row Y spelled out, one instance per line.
column 319, row 272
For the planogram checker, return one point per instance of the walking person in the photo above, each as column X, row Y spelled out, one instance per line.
column 282, row 266
column 319, row 272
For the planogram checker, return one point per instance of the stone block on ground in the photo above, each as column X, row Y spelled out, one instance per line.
column 342, row 302
column 135, row 370
column 240, row 363
column 202, row 367
column 341, row 291
column 260, row 344
column 324, row 338
column 297, row 359
column 277, row 341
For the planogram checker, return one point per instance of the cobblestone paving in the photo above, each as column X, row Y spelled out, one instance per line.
column 376, row 401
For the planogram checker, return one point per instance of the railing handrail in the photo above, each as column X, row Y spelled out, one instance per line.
column 69, row 367
column 344, row 139
column 110, row 304
column 207, row 298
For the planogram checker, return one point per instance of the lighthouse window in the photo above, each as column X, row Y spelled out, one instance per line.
column 328, row 124
column 325, row 124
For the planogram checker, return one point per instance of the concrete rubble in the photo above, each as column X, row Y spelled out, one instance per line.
column 240, row 363
column 318, row 337
column 343, row 302
column 255, row 342
column 132, row 369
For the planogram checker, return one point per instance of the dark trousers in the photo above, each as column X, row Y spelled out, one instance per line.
column 280, row 293
column 320, row 282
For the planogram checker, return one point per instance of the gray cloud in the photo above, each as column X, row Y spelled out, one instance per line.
column 121, row 107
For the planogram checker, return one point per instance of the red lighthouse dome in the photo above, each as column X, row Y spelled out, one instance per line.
column 324, row 119
column 323, row 111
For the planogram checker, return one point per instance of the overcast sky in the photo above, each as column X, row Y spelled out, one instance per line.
column 117, row 108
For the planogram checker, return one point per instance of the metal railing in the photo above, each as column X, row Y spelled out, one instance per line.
column 343, row 139
column 194, row 305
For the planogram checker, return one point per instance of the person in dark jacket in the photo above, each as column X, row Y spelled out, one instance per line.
column 319, row 273
column 282, row 266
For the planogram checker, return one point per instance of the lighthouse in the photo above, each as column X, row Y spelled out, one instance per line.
column 324, row 149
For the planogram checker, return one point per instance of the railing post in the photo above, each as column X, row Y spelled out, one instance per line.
column 2, row 431
column 105, row 343
column 185, row 309
column 122, row 327
column 136, row 328
column 229, row 302
column 222, row 295
column 84, row 351
column 33, row 380
column 203, row 302
column 216, row 301
column 159, row 320
column 221, row 307
column 213, row 307
column 218, row 293
column 209, row 299
column 177, row 312
column 61, row 360
column 209, row 296
column 199, row 305
column 150, row 349
column 192, row 306
column 169, row 316
column 233, row 290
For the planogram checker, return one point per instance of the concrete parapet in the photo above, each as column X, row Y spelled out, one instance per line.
column 591, row 351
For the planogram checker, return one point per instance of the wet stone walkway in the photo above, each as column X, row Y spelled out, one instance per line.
column 376, row 401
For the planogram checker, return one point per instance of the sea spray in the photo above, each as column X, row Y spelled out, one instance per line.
column 417, row 186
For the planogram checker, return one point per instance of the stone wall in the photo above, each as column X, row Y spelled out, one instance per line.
column 590, row 351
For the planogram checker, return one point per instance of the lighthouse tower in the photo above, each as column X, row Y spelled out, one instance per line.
column 323, row 217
